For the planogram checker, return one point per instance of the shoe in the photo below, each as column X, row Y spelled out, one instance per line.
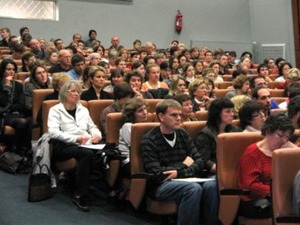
column 81, row 203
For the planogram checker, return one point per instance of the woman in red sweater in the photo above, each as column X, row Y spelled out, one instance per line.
column 254, row 171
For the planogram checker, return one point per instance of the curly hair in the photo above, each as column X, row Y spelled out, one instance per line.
column 277, row 122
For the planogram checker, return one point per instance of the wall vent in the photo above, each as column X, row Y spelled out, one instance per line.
column 272, row 51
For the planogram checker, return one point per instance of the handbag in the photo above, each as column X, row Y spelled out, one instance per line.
column 40, row 185
column 10, row 161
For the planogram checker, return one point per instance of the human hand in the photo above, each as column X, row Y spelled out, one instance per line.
column 188, row 161
column 171, row 174
column 95, row 139
column 82, row 139
column 213, row 168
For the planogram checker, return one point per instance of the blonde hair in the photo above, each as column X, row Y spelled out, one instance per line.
column 58, row 79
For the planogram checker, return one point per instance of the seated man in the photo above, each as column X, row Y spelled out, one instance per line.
column 168, row 153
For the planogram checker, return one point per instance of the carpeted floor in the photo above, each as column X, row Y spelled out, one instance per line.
column 59, row 210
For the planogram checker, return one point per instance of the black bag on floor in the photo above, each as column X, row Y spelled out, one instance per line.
column 40, row 185
column 10, row 161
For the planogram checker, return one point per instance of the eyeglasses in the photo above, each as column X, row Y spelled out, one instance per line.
column 287, row 137
column 203, row 88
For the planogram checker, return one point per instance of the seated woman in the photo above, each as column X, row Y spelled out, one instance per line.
column 177, row 86
column 135, row 111
column 254, row 171
column 12, row 108
column 243, row 67
column 157, row 88
column 134, row 79
column 38, row 79
column 97, row 77
column 199, row 93
column 251, row 117
column 241, row 85
column 187, row 107
column 116, row 77
column 263, row 70
column 212, row 75
column 69, row 126
column 188, row 72
column 219, row 120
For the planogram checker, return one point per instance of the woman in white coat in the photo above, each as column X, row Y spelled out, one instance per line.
column 70, row 126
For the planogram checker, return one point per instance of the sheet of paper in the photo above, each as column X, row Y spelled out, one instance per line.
column 95, row 147
column 194, row 179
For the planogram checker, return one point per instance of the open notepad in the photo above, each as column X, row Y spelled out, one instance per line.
column 194, row 179
column 91, row 146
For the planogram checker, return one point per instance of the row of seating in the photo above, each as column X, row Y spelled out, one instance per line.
column 227, row 154
column 284, row 168
column 96, row 106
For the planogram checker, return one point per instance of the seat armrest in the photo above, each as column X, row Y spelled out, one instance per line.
column 235, row 191
column 288, row 219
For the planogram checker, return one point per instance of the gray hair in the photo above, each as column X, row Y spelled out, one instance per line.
column 66, row 87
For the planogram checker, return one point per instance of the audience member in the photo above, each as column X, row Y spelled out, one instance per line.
column 5, row 34
column 169, row 153
column 78, row 64
column 251, row 117
column 262, row 96
column 116, row 77
column 64, row 62
column 12, row 108
column 187, row 107
column 97, row 78
column 38, row 79
column 219, row 120
column 254, row 171
column 70, row 126
column 241, row 85
column 135, row 111
column 122, row 92
column 134, row 79
column 198, row 91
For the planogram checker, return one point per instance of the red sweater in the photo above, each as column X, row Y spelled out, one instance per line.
column 254, row 173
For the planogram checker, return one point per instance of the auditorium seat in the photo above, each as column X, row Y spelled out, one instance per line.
column 230, row 147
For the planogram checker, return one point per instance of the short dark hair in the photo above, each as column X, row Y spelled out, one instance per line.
column 261, row 66
column 252, row 80
column 277, row 122
column 122, row 90
column 181, row 98
column 76, row 59
column 255, row 92
column 92, row 31
column 246, row 113
column 132, row 73
column 22, row 29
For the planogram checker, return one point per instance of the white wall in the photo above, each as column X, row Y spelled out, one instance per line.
column 153, row 20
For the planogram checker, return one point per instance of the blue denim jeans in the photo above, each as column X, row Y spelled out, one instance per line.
column 190, row 196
